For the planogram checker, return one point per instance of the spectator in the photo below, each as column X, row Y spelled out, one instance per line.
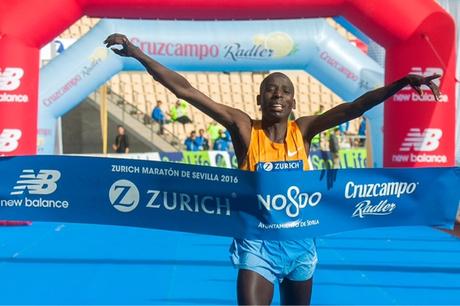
column 202, row 141
column 159, row 117
column 179, row 113
column 315, row 143
column 334, row 147
column 213, row 132
column 362, row 132
column 121, row 144
column 229, row 141
column 190, row 142
column 221, row 143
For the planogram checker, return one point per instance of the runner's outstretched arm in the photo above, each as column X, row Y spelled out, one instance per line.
column 227, row 116
column 313, row 125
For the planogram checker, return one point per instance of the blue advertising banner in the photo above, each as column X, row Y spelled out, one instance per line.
column 264, row 205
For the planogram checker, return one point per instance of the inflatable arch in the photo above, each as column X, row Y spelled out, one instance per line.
column 309, row 44
column 416, row 132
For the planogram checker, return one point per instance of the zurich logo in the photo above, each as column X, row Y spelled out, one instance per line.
column 124, row 196
column 268, row 166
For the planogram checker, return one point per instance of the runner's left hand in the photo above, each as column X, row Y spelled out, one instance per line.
column 416, row 81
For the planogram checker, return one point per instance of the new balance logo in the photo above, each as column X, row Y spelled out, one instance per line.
column 10, row 78
column 9, row 140
column 425, row 141
column 42, row 183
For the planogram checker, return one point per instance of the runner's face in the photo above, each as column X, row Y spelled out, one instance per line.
column 276, row 97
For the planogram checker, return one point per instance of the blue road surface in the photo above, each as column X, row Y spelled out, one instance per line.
column 53, row 263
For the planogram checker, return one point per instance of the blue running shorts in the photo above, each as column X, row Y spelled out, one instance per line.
column 275, row 260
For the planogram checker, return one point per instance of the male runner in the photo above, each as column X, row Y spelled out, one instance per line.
column 273, row 139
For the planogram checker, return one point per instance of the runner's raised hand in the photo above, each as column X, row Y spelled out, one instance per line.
column 416, row 81
column 128, row 49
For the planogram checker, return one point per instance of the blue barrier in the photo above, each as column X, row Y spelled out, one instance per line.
column 273, row 205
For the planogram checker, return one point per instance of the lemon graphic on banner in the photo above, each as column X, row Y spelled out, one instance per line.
column 259, row 39
column 281, row 44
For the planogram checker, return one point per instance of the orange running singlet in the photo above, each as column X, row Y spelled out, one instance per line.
column 262, row 149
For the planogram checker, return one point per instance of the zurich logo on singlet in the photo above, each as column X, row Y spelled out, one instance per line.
column 291, row 165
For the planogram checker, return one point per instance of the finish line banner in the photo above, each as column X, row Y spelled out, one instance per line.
column 263, row 205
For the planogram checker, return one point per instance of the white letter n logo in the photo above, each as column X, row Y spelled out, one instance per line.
column 10, row 78
column 42, row 183
column 9, row 140
column 426, row 141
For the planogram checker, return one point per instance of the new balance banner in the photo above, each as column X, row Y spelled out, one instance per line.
column 18, row 97
column 273, row 205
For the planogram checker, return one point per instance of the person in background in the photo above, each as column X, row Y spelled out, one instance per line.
column 202, row 141
column 229, row 141
column 179, row 113
column 182, row 112
column 213, row 132
column 362, row 132
column 121, row 144
column 190, row 142
column 334, row 147
column 221, row 143
column 159, row 117
column 315, row 143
